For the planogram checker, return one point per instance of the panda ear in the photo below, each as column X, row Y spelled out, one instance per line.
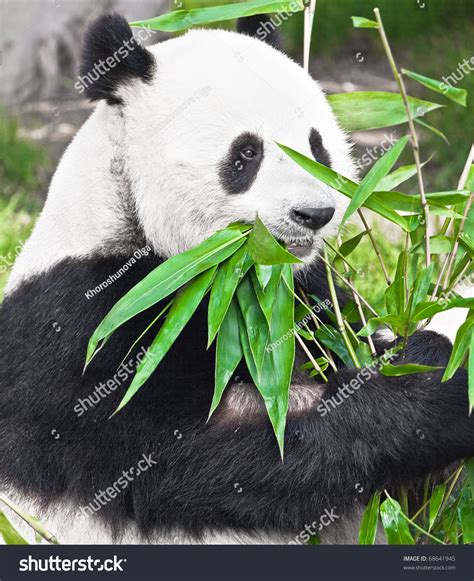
column 112, row 57
column 261, row 26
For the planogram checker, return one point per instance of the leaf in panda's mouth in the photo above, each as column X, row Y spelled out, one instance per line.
column 248, row 273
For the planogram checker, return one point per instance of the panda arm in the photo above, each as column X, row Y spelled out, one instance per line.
column 386, row 432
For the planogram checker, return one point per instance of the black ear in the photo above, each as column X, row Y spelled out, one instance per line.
column 262, row 27
column 111, row 57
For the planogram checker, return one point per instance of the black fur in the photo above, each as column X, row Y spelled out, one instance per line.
column 236, row 173
column 263, row 27
column 110, row 36
column 390, row 431
column 320, row 153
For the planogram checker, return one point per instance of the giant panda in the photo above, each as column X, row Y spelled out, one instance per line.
column 183, row 142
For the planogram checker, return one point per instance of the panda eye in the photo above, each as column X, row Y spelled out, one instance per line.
column 247, row 153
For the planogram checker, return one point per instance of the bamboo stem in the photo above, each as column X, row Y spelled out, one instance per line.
column 337, row 312
column 309, row 12
column 310, row 357
column 414, row 138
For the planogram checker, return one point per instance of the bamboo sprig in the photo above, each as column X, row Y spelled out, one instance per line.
column 32, row 522
column 414, row 138
column 310, row 357
column 359, row 308
column 337, row 312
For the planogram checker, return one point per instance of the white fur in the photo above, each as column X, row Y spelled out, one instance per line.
column 210, row 86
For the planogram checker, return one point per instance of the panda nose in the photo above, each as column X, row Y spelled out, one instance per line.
column 313, row 218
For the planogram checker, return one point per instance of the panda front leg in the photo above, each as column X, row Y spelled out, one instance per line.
column 368, row 432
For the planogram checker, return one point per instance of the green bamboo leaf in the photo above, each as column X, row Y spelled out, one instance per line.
column 436, row 501
column 266, row 298
column 395, row 321
column 411, row 203
column 467, row 521
column 470, row 368
column 333, row 340
column 264, row 249
column 462, row 343
column 420, row 289
column 347, row 187
column 426, row 310
column 184, row 305
column 183, row 19
column 469, row 465
column 395, row 526
column 223, row 289
column 459, row 96
column 395, row 298
column 379, row 170
column 360, row 22
column 275, row 378
column 228, row 352
column 408, row 369
column 438, row 210
column 438, row 245
column 370, row 519
column 264, row 274
column 360, row 111
column 434, row 130
column 165, row 280
column 255, row 322
column 467, row 242
column 350, row 245
column 397, row 177
column 9, row 533
column 450, row 523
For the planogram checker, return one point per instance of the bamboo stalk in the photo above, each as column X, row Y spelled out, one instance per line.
column 309, row 12
column 414, row 137
column 375, row 246
column 32, row 522
column 310, row 357
column 337, row 312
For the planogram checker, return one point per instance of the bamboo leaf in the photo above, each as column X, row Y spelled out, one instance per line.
column 438, row 245
column 436, row 501
column 165, row 280
column 350, row 245
column 470, row 369
column 370, row 519
column 395, row 299
column 223, row 289
column 397, row 177
column 9, row 533
column 434, row 130
column 467, row 521
column 408, row 369
column 462, row 343
column 255, row 321
column 182, row 19
column 396, row 321
column 395, row 526
column 229, row 352
column 459, row 96
column 330, row 338
column 426, row 310
column 264, row 249
column 347, row 187
column 266, row 298
column 469, row 465
column 360, row 111
column 379, row 170
column 360, row 22
column 184, row 305
column 264, row 274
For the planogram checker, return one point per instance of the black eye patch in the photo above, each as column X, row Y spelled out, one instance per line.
column 238, row 170
column 318, row 150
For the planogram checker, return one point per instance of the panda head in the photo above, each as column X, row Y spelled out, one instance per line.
column 200, row 117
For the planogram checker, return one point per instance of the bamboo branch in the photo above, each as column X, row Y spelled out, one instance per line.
column 414, row 138
column 375, row 246
column 310, row 357
column 309, row 12
column 31, row 521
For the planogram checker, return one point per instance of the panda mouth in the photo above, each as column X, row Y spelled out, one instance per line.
column 300, row 248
